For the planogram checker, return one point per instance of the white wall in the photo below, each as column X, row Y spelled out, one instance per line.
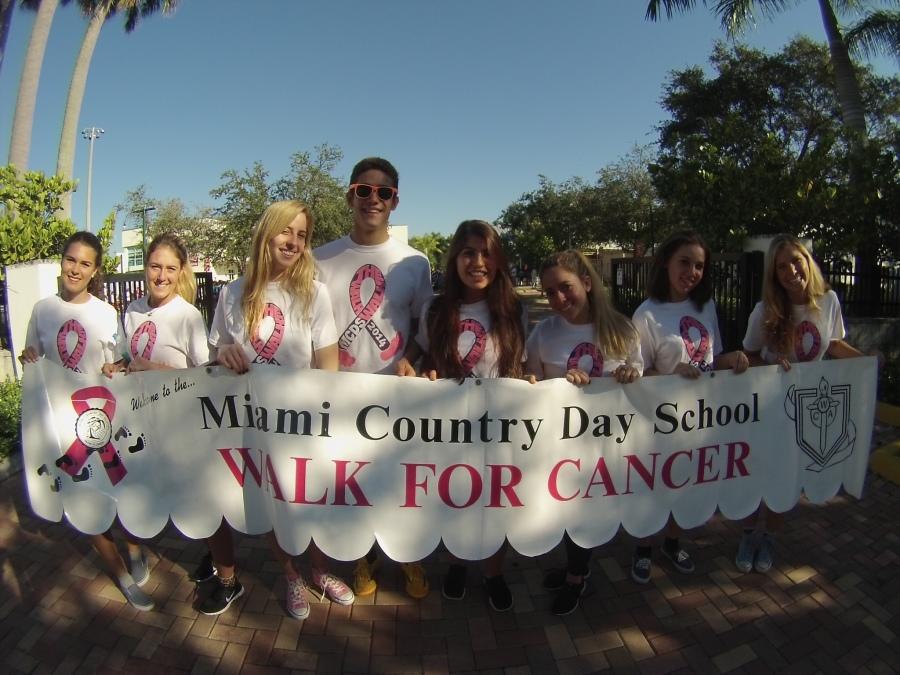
column 26, row 283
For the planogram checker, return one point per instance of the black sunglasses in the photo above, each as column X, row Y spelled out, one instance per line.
column 364, row 191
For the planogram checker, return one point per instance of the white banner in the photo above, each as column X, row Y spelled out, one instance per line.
column 346, row 459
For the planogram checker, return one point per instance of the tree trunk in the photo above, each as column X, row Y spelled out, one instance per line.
column 20, row 141
column 853, row 114
column 6, row 12
column 65, row 161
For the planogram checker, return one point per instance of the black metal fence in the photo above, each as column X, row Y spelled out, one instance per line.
column 121, row 289
column 848, row 284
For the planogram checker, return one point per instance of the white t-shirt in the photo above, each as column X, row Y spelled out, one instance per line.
column 477, row 346
column 78, row 336
column 376, row 292
column 284, row 336
column 813, row 331
column 173, row 334
column 675, row 332
column 560, row 346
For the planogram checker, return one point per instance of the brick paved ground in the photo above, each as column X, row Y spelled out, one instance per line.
column 831, row 604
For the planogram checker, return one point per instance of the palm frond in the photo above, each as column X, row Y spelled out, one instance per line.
column 670, row 7
column 878, row 34
column 739, row 15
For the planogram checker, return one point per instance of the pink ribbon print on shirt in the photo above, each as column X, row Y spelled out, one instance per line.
column 815, row 343
column 93, row 433
column 363, row 319
column 696, row 350
column 476, row 351
column 265, row 350
column 148, row 329
column 71, row 359
column 586, row 349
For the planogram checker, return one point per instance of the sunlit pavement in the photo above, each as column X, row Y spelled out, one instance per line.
column 831, row 604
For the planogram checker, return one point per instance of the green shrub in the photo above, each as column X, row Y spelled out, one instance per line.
column 10, row 417
column 889, row 382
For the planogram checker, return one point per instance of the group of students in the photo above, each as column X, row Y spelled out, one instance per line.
column 364, row 303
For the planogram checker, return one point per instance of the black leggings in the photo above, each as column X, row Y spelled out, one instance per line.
column 578, row 558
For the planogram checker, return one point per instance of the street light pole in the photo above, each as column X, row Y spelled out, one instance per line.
column 144, row 211
column 90, row 134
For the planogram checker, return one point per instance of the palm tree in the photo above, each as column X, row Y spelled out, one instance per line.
column 98, row 11
column 20, row 141
column 877, row 33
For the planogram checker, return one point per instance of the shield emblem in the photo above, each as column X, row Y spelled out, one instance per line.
column 821, row 421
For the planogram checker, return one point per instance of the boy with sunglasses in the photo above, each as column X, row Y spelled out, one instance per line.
column 376, row 319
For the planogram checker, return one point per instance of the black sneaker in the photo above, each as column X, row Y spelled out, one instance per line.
column 640, row 568
column 204, row 571
column 220, row 598
column 568, row 598
column 680, row 559
column 556, row 578
column 454, row 587
column 499, row 595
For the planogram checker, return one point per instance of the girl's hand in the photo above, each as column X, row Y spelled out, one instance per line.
column 530, row 379
column 139, row 363
column 626, row 374
column 578, row 377
column 782, row 361
column 404, row 368
column 233, row 358
column 109, row 369
column 741, row 362
column 687, row 370
column 429, row 375
column 29, row 355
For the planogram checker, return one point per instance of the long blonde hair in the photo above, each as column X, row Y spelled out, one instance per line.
column 778, row 318
column 614, row 333
column 186, row 286
column 297, row 281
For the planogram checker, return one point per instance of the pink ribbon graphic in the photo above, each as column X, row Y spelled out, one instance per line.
column 807, row 328
column 147, row 328
column 363, row 318
column 586, row 349
column 72, row 360
column 697, row 351
column 265, row 351
column 93, row 433
column 476, row 351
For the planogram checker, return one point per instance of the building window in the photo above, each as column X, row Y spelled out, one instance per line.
column 135, row 258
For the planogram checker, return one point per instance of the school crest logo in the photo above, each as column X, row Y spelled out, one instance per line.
column 822, row 425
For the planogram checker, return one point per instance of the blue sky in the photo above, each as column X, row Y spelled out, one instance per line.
column 471, row 99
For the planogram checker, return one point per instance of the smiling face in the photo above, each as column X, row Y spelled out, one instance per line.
column 79, row 265
column 286, row 247
column 685, row 270
column 163, row 272
column 567, row 294
column 792, row 273
column 476, row 268
column 371, row 214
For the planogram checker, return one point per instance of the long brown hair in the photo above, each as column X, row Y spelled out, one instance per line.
column 658, row 280
column 614, row 333
column 778, row 310
column 503, row 305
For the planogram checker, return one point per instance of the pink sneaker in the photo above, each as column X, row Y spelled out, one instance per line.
column 296, row 603
column 336, row 590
